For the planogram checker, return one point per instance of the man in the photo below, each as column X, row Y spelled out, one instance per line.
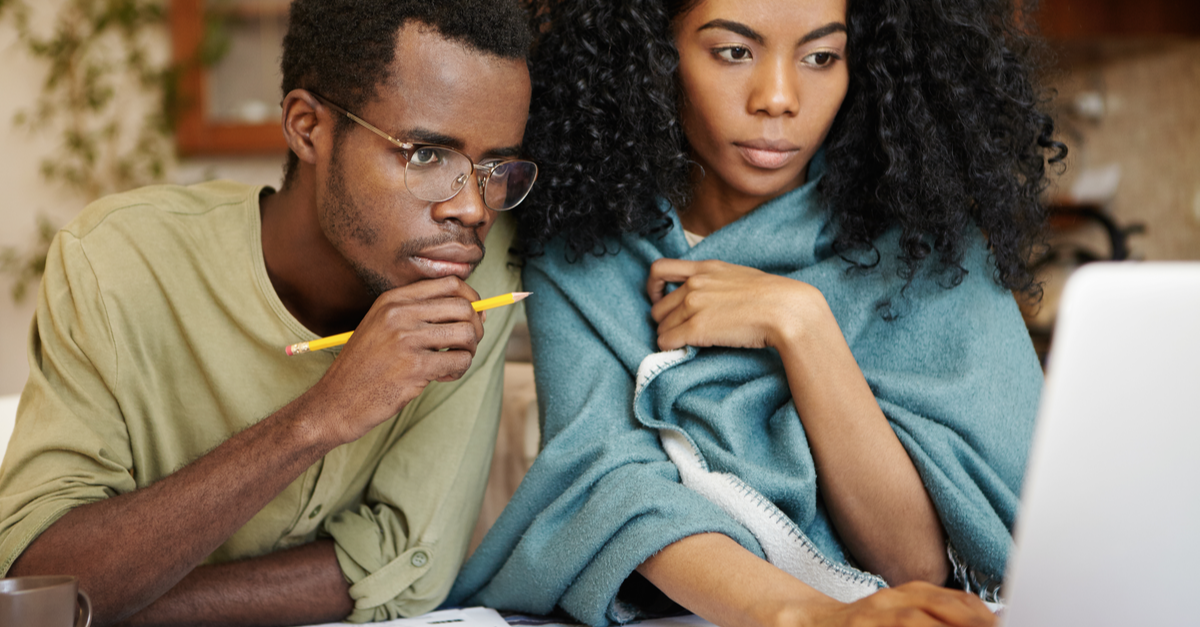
column 168, row 452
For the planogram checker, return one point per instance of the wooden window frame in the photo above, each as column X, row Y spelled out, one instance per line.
column 1089, row 19
column 195, row 133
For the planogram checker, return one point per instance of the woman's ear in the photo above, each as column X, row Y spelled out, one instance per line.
column 305, row 124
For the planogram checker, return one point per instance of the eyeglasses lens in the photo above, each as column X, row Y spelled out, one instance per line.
column 509, row 183
column 436, row 174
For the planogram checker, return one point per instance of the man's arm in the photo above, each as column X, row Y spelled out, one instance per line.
column 300, row 585
column 129, row 550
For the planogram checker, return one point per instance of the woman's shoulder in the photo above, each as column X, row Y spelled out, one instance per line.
column 625, row 256
column 880, row 280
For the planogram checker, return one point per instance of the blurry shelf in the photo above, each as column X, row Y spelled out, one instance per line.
column 199, row 130
column 1073, row 237
column 252, row 9
column 1095, row 19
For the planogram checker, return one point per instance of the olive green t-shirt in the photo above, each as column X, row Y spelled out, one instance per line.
column 158, row 336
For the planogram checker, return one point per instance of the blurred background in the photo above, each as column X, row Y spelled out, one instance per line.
column 98, row 96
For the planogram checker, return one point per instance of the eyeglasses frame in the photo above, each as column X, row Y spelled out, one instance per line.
column 408, row 148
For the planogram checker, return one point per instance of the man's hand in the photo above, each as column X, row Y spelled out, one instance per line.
column 422, row 332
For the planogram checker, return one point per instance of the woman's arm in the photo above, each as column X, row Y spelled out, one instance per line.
column 718, row 579
column 868, row 483
column 721, row 581
column 871, row 488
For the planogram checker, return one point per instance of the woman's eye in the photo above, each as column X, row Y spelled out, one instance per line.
column 821, row 59
column 734, row 54
column 425, row 157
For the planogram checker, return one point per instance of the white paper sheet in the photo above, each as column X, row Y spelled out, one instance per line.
column 466, row 617
column 689, row 620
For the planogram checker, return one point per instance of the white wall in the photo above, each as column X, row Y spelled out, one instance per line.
column 23, row 193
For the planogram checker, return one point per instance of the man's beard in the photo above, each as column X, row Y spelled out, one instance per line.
column 346, row 223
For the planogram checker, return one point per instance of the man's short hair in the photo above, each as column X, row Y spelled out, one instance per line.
column 343, row 49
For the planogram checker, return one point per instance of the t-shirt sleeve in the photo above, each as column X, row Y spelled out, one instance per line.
column 402, row 548
column 69, row 445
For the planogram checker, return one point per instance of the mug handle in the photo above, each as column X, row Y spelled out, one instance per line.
column 84, row 618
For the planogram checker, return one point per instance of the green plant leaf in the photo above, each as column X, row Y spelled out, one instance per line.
column 94, row 50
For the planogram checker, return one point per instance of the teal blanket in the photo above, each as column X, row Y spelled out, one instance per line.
column 952, row 369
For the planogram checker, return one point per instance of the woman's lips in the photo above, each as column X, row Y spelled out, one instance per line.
column 768, row 155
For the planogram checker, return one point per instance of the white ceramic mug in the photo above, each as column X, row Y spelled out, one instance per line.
column 54, row 601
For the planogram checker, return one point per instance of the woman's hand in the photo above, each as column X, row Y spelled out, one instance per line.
column 875, row 497
column 721, row 304
column 913, row 604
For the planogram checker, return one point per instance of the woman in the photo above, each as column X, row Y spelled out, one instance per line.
column 780, row 368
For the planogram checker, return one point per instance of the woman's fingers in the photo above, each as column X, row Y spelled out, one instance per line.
column 666, row 271
column 717, row 303
column 667, row 304
column 960, row 608
column 922, row 602
column 680, row 320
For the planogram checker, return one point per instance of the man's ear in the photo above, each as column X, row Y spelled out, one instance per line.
column 306, row 125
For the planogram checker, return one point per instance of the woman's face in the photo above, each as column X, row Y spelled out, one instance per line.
column 762, row 81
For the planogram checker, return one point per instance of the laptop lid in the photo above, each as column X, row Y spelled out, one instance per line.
column 1109, row 530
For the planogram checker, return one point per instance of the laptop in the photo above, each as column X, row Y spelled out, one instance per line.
column 1109, row 529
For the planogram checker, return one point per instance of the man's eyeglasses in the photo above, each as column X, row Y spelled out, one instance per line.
column 437, row 173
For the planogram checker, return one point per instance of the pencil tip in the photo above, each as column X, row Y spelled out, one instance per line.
column 520, row 296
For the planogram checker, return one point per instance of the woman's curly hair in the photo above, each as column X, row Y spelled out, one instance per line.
column 940, row 132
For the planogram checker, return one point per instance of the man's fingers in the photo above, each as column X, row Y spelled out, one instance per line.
column 442, row 310
column 463, row 336
column 449, row 365
column 445, row 287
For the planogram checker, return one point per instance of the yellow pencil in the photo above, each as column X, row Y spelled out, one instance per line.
column 342, row 338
